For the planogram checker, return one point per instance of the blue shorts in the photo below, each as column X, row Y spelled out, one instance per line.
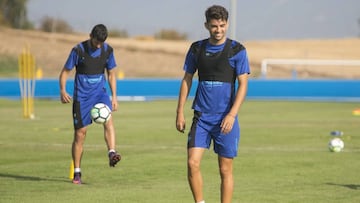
column 81, row 109
column 206, row 127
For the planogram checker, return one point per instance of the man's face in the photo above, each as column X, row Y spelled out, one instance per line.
column 217, row 30
column 95, row 43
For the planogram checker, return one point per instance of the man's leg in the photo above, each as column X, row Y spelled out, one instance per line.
column 227, row 179
column 77, row 146
column 109, row 135
column 77, row 151
column 194, row 174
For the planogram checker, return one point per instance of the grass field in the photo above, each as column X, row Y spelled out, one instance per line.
column 283, row 155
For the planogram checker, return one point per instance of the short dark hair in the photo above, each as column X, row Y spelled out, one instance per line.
column 99, row 32
column 216, row 12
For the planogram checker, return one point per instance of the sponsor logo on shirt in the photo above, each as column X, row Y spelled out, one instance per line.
column 93, row 80
column 213, row 83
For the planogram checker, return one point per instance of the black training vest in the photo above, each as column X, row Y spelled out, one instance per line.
column 89, row 65
column 215, row 66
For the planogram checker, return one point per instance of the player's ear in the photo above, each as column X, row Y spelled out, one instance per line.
column 206, row 25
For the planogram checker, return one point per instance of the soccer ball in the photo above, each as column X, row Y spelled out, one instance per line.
column 100, row 113
column 336, row 145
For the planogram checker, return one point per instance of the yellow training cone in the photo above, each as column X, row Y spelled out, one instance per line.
column 71, row 171
column 356, row 112
column 39, row 73
column 121, row 75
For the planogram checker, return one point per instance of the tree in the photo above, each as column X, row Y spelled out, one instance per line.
column 13, row 13
column 49, row 24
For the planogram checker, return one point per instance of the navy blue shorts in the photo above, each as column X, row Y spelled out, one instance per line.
column 206, row 128
column 81, row 110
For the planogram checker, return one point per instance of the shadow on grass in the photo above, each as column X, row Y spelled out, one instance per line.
column 32, row 178
column 349, row 186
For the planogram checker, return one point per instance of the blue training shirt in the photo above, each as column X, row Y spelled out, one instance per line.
column 216, row 96
column 89, row 85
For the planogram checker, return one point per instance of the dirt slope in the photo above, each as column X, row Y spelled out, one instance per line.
column 153, row 58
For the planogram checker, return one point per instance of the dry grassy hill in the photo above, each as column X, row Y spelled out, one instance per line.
column 153, row 58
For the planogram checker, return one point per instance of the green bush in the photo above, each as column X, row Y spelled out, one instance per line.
column 118, row 33
column 8, row 66
column 170, row 35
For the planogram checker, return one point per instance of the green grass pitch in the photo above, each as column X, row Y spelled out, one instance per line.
column 283, row 155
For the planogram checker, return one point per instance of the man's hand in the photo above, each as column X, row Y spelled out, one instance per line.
column 65, row 97
column 114, row 104
column 180, row 122
column 227, row 124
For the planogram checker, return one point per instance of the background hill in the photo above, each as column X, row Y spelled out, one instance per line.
column 147, row 57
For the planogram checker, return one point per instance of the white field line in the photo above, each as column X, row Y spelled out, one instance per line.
column 242, row 149
column 89, row 146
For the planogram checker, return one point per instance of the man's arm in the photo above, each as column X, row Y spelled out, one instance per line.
column 183, row 94
column 240, row 94
column 229, row 119
column 64, row 96
column 112, row 85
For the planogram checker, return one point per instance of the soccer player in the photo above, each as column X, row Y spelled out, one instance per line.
column 92, row 59
column 219, row 62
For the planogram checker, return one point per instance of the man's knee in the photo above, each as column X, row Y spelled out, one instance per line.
column 226, row 168
column 80, row 134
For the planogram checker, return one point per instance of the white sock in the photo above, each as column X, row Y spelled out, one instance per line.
column 111, row 150
column 201, row 201
column 77, row 170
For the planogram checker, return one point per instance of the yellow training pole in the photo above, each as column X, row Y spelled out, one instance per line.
column 32, row 84
column 27, row 82
column 22, row 81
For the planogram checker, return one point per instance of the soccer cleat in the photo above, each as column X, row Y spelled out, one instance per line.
column 114, row 157
column 77, row 178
